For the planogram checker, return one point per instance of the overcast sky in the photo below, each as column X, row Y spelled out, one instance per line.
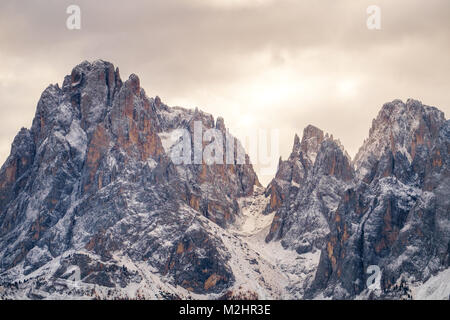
column 263, row 64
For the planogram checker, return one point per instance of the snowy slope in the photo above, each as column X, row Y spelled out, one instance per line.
column 92, row 205
column 435, row 288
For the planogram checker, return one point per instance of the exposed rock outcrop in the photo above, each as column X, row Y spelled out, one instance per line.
column 397, row 215
column 92, row 176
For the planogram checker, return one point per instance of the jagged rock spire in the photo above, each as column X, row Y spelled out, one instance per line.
column 92, row 175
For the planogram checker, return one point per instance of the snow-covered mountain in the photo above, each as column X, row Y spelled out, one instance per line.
column 92, row 205
column 92, row 178
column 397, row 213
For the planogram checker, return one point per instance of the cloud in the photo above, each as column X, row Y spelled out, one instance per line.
column 282, row 63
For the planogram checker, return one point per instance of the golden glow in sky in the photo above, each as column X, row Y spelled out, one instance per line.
column 259, row 64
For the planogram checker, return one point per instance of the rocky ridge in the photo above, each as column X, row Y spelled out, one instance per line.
column 92, row 205
column 92, row 177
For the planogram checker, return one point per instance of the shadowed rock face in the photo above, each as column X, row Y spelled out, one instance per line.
column 397, row 214
column 314, row 177
column 391, row 211
column 294, row 170
column 91, row 186
column 92, row 174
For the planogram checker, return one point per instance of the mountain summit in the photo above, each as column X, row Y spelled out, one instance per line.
column 93, row 204
column 91, row 185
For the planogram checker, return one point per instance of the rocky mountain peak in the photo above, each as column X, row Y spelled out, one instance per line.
column 297, row 145
column 331, row 160
column 91, row 189
column 319, row 161
column 220, row 124
column 399, row 128
column 94, row 176
column 311, row 140
column 396, row 202
column 302, row 164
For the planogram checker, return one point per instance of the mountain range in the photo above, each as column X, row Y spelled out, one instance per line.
column 92, row 206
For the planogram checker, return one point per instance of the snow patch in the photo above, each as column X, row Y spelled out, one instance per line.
column 436, row 288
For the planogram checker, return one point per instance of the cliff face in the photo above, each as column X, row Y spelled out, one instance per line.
column 92, row 198
column 92, row 177
column 312, row 179
column 392, row 210
column 397, row 215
